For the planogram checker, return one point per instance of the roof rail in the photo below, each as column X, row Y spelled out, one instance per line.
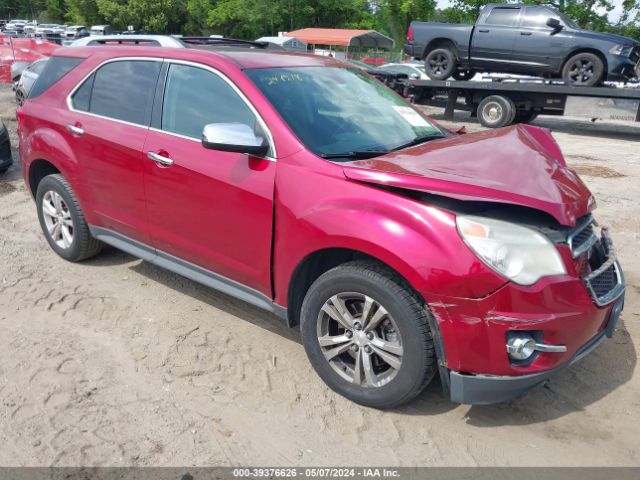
column 223, row 42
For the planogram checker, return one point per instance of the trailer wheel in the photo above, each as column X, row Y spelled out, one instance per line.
column 463, row 74
column 496, row 111
column 440, row 63
column 584, row 69
column 524, row 116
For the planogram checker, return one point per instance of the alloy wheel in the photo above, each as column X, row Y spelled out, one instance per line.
column 492, row 111
column 57, row 219
column 581, row 71
column 359, row 339
column 438, row 63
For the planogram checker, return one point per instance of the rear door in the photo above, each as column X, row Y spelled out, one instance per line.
column 211, row 208
column 538, row 44
column 107, row 126
column 494, row 37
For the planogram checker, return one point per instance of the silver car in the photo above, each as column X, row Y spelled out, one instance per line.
column 27, row 79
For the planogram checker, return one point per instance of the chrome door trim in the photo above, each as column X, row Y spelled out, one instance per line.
column 273, row 154
column 84, row 79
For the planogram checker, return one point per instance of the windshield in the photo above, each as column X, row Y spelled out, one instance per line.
column 336, row 111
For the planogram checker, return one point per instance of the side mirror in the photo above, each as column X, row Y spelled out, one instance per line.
column 233, row 137
column 554, row 23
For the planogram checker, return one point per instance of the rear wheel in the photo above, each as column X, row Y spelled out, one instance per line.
column 367, row 335
column 584, row 69
column 496, row 111
column 440, row 63
column 62, row 220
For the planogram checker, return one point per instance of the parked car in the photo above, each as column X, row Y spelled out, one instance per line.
column 411, row 70
column 16, row 26
column 307, row 188
column 151, row 40
column 28, row 77
column 525, row 39
column 101, row 30
column 44, row 29
column 76, row 31
column 5, row 149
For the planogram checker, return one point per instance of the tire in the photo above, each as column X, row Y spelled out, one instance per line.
column 496, row 111
column 68, row 215
column 584, row 69
column 19, row 98
column 404, row 325
column 461, row 75
column 525, row 117
column 439, row 64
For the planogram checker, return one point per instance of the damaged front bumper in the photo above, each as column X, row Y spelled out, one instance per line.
column 488, row 389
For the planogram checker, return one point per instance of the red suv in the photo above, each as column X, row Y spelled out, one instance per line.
column 308, row 188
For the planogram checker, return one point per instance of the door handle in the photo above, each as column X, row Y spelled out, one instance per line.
column 159, row 159
column 484, row 30
column 75, row 129
column 525, row 33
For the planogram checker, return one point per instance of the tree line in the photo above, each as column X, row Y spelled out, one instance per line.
column 251, row 19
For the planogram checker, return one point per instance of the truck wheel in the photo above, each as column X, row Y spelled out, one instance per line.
column 62, row 220
column 496, row 111
column 584, row 69
column 440, row 63
column 464, row 74
column 367, row 335
column 525, row 117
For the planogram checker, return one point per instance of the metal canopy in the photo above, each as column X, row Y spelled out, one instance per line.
column 343, row 37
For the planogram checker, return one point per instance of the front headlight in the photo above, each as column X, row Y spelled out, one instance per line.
column 521, row 254
column 621, row 49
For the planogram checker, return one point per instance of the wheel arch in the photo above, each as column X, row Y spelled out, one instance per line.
column 441, row 42
column 316, row 263
column 39, row 169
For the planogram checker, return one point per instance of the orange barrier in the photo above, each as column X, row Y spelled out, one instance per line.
column 21, row 50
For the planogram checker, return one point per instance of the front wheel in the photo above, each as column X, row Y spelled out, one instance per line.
column 367, row 335
column 440, row 63
column 584, row 69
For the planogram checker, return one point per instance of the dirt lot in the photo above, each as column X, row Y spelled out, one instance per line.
column 116, row 362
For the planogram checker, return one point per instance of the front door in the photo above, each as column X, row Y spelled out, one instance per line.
column 539, row 45
column 211, row 208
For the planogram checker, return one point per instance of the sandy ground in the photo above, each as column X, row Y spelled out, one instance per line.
column 117, row 362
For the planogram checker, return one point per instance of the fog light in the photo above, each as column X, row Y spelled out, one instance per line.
column 521, row 346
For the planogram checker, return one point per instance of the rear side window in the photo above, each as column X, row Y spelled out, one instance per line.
column 503, row 16
column 121, row 90
column 54, row 69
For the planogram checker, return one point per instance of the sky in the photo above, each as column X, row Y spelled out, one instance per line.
column 614, row 15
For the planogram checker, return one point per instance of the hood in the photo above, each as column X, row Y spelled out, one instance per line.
column 609, row 37
column 519, row 165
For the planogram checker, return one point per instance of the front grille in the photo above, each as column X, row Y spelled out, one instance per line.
column 604, row 281
column 583, row 237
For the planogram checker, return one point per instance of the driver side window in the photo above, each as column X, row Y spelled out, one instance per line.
column 195, row 97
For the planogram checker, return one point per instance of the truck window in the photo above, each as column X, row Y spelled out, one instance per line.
column 503, row 16
column 537, row 17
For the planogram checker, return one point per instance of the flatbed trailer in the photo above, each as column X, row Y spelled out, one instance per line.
column 500, row 102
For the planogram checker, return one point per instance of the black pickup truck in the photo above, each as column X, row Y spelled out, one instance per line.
column 523, row 39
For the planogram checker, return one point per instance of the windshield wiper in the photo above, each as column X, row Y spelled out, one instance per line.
column 418, row 141
column 355, row 154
